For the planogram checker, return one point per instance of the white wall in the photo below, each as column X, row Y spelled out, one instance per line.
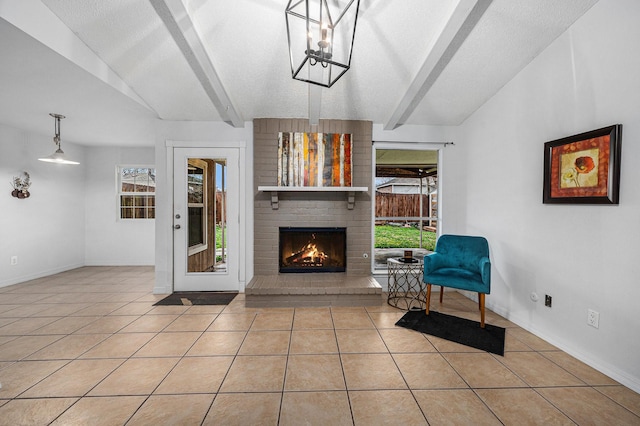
column 46, row 230
column 70, row 220
column 584, row 256
column 199, row 134
column 109, row 240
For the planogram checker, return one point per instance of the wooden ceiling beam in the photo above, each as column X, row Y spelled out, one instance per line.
column 315, row 101
column 176, row 18
column 464, row 18
column 38, row 21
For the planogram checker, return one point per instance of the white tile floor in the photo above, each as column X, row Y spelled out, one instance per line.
column 86, row 347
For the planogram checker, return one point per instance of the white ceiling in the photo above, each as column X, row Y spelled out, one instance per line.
column 113, row 67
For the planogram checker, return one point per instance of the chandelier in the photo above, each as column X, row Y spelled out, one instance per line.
column 320, row 35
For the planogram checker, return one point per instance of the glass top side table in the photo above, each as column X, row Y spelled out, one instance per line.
column 406, row 288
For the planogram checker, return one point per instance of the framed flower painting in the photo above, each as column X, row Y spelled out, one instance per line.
column 583, row 169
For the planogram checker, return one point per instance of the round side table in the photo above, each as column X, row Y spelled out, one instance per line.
column 406, row 288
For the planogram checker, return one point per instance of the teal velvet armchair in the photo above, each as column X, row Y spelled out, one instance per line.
column 460, row 262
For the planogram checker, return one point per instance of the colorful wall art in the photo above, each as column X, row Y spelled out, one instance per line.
column 314, row 159
column 583, row 168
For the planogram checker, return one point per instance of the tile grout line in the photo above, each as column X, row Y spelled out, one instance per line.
column 424, row 415
column 235, row 356
column 344, row 376
column 170, row 370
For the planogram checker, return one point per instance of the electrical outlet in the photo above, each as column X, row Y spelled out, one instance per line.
column 593, row 318
column 547, row 300
column 14, row 260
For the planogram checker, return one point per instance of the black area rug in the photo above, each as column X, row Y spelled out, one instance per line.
column 198, row 298
column 459, row 330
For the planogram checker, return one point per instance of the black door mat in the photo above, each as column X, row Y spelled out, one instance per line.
column 198, row 298
column 455, row 329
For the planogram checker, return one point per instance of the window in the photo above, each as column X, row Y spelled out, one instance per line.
column 137, row 192
column 406, row 206
column 197, row 194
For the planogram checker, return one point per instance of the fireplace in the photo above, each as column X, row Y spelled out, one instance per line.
column 313, row 250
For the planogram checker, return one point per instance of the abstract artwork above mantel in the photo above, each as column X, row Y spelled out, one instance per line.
column 314, row 159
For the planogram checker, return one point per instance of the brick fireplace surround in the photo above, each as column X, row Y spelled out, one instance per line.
column 356, row 286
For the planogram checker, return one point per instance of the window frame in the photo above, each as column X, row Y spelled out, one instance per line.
column 197, row 248
column 147, row 207
column 406, row 146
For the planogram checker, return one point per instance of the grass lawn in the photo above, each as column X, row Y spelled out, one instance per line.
column 219, row 236
column 387, row 236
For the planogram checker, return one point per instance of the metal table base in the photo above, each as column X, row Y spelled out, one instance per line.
column 406, row 288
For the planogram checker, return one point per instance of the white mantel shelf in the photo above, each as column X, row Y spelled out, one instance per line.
column 349, row 190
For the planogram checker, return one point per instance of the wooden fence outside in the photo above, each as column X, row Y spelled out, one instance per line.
column 219, row 200
column 404, row 205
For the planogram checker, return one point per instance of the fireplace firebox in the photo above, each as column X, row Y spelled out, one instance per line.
column 313, row 249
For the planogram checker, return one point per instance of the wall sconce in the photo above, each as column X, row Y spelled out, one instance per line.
column 321, row 33
column 58, row 156
column 21, row 186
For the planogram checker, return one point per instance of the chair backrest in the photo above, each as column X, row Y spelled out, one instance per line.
column 462, row 251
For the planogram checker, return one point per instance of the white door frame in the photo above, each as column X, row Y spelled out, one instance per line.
column 242, row 208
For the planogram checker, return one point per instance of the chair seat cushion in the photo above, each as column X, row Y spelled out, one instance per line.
column 457, row 278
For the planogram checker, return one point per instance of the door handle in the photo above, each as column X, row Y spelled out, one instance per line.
column 176, row 226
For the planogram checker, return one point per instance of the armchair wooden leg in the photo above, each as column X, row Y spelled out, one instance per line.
column 428, row 299
column 481, row 302
column 441, row 293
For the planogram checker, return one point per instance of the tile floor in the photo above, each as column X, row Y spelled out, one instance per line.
column 86, row 347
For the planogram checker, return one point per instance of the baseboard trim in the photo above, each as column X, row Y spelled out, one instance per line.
column 603, row 367
column 40, row 274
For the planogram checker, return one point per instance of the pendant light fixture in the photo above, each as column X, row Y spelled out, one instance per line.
column 320, row 35
column 58, row 156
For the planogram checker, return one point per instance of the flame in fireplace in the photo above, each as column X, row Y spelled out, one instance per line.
column 308, row 255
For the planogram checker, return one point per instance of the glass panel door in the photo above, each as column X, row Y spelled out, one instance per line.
column 205, row 195
column 406, row 204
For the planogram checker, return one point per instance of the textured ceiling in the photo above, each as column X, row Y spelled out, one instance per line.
column 113, row 67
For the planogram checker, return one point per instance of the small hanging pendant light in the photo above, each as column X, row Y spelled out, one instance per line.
column 58, row 156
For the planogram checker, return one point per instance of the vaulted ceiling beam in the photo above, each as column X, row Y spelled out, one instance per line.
column 179, row 23
column 36, row 20
column 315, row 101
column 464, row 18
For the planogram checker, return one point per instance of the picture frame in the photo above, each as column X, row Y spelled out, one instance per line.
column 584, row 168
